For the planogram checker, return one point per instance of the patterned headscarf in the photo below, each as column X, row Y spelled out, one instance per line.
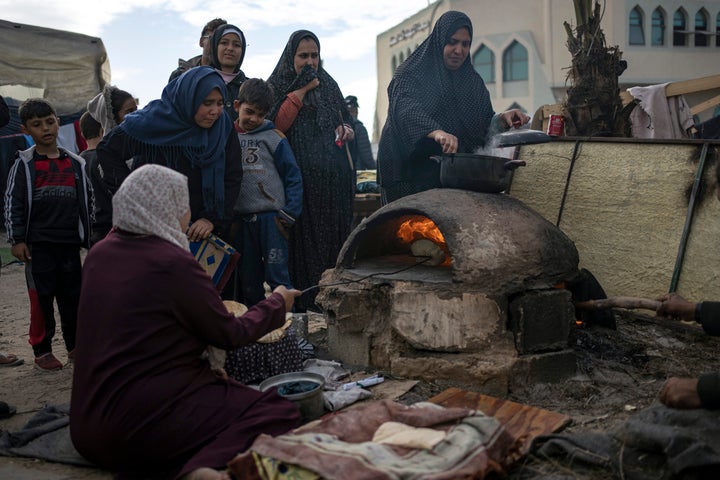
column 167, row 126
column 326, row 99
column 101, row 109
column 151, row 201
column 425, row 95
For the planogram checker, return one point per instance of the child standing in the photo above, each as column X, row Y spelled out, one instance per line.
column 270, row 201
column 270, row 197
column 92, row 132
column 48, row 210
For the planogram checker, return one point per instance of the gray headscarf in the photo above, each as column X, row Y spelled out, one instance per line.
column 100, row 107
column 151, row 201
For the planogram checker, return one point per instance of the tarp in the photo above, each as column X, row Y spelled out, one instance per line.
column 71, row 68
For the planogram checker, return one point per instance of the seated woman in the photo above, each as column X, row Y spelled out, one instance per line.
column 438, row 104
column 143, row 399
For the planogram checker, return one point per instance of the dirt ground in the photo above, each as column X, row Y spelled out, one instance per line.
column 619, row 372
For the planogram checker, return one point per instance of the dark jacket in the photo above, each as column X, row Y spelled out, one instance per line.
column 183, row 66
column 709, row 383
column 19, row 196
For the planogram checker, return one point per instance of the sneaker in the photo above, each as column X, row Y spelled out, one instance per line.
column 48, row 362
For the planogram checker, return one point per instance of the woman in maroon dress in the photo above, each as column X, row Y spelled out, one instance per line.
column 144, row 401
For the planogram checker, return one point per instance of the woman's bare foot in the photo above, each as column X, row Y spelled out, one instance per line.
column 206, row 474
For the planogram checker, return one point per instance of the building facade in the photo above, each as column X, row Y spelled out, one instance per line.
column 519, row 47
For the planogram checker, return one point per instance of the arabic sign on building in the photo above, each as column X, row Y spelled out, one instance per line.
column 408, row 33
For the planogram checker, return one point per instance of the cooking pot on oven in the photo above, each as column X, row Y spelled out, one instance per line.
column 480, row 173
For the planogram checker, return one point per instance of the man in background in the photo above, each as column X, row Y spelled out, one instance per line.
column 204, row 59
column 362, row 151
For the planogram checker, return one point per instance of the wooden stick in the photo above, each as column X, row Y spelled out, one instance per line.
column 619, row 302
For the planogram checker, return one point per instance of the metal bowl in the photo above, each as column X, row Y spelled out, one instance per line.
column 310, row 403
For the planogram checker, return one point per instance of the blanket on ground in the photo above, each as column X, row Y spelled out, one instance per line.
column 657, row 443
column 344, row 445
column 45, row 436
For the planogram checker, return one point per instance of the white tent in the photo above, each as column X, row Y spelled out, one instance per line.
column 66, row 68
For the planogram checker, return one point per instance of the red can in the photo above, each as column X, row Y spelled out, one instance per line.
column 556, row 125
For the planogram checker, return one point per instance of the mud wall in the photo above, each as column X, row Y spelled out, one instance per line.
column 625, row 205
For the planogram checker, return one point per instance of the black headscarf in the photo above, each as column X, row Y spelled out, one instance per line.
column 425, row 95
column 326, row 98
column 215, row 40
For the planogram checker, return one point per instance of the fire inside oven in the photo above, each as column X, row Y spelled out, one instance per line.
column 402, row 240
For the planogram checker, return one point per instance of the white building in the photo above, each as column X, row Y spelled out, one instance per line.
column 519, row 46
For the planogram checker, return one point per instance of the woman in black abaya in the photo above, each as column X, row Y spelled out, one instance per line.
column 438, row 104
column 310, row 110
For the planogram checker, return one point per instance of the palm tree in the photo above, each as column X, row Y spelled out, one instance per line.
column 593, row 103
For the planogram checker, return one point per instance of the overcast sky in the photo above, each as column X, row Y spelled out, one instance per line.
column 144, row 38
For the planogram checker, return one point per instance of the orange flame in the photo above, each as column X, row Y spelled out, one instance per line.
column 418, row 228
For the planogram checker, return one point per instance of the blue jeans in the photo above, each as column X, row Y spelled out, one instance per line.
column 263, row 256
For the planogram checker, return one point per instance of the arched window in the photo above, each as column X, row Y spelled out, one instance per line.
column 394, row 63
column 637, row 35
column 515, row 62
column 658, row 27
column 408, row 52
column 402, row 57
column 701, row 28
column 484, row 62
column 680, row 27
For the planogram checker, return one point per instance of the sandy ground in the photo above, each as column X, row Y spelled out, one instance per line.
column 619, row 372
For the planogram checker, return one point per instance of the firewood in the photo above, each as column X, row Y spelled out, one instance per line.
column 619, row 302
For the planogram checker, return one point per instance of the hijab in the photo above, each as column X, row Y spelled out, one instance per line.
column 167, row 126
column 425, row 95
column 101, row 108
column 151, row 201
column 218, row 34
column 330, row 110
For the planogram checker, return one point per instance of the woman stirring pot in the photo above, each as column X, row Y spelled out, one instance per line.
column 438, row 104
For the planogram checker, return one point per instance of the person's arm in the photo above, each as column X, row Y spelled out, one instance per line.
column 292, row 180
column 288, row 112
column 708, row 389
column 16, row 204
column 4, row 112
column 705, row 313
column 112, row 156
column 364, row 149
column 200, row 309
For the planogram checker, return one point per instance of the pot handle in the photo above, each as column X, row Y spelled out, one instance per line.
column 513, row 164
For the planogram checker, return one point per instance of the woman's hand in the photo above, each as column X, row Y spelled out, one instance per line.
column 200, row 230
column 680, row 393
column 514, row 118
column 288, row 296
column 675, row 306
column 447, row 141
column 344, row 133
column 311, row 85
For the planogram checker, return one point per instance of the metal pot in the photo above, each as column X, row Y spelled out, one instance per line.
column 480, row 173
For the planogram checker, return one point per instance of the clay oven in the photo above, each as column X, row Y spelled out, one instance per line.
column 478, row 308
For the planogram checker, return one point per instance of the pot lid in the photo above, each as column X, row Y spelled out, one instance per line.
column 519, row 137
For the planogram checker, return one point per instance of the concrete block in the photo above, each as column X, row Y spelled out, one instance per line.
column 541, row 320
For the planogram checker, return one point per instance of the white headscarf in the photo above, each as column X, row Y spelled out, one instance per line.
column 151, row 201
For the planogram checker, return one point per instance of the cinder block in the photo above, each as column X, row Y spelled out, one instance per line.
column 541, row 320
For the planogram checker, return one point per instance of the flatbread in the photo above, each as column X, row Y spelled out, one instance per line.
column 236, row 308
column 277, row 334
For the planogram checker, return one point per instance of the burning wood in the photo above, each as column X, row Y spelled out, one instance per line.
column 425, row 240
